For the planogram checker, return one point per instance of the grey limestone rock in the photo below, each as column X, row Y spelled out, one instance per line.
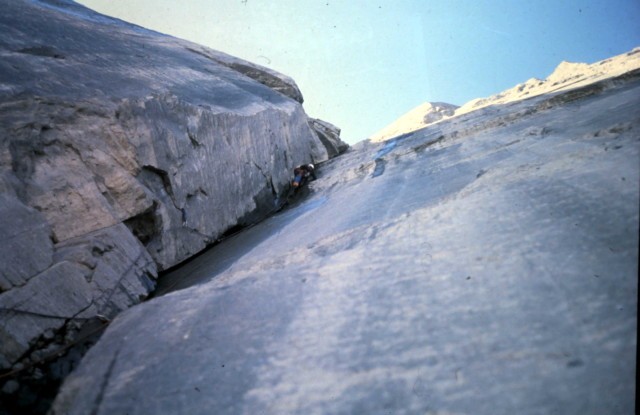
column 486, row 264
column 329, row 134
column 122, row 153
column 27, row 248
column 100, row 273
column 274, row 80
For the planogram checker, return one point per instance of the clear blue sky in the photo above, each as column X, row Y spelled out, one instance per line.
column 363, row 63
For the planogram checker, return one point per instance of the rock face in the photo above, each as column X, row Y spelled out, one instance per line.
column 122, row 153
column 566, row 76
column 486, row 264
column 329, row 134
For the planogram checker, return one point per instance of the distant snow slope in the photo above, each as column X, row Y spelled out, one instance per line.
column 566, row 76
column 419, row 117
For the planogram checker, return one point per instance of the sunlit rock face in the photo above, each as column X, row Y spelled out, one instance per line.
column 486, row 264
column 123, row 152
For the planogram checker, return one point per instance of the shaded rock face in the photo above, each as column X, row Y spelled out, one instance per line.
column 329, row 135
column 122, row 153
column 486, row 264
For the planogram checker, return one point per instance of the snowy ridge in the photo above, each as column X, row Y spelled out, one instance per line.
column 567, row 75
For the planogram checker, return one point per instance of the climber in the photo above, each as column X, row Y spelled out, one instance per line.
column 301, row 174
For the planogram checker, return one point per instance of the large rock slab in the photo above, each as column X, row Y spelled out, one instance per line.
column 484, row 265
column 124, row 152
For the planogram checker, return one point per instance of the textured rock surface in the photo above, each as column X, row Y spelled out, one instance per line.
column 483, row 265
column 329, row 135
column 122, row 153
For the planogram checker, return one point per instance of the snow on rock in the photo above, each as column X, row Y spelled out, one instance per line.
column 419, row 117
column 566, row 76
column 484, row 264
column 123, row 153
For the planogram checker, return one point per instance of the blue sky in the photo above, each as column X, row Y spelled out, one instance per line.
column 363, row 63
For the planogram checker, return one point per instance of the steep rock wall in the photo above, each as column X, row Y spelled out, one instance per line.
column 122, row 153
column 499, row 247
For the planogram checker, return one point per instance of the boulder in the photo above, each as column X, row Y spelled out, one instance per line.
column 124, row 152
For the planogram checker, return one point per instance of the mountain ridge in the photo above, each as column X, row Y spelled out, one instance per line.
column 565, row 76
